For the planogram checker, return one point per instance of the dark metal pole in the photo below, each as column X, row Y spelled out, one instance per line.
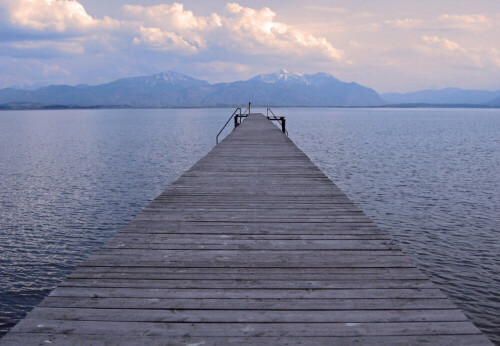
column 283, row 126
column 249, row 103
column 236, row 121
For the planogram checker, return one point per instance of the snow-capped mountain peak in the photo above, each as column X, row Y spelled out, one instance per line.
column 284, row 76
column 281, row 76
column 169, row 88
column 167, row 77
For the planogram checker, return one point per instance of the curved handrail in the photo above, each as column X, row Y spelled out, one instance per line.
column 270, row 110
column 275, row 118
column 227, row 122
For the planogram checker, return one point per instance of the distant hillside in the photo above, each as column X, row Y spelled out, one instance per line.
column 285, row 88
column 495, row 102
column 160, row 90
column 443, row 96
column 172, row 89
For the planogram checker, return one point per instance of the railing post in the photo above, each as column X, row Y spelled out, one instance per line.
column 235, row 115
column 283, row 126
column 249, row 103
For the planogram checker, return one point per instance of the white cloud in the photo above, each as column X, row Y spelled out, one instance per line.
column 470, row 22
column 172, row 17
column 48, row 15
column 164, row 27
column 170, row 27
column 406, row 23
column 254, row 32
column 158, row 39
column 47, row 29
column 443, row 43
column 460, row 56
column 66, row 47
column 51, row 18
column 252, row 29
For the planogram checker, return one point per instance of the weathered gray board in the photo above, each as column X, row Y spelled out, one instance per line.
column 253, row 245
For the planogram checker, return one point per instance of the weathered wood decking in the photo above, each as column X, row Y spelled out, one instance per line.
column 252, row 245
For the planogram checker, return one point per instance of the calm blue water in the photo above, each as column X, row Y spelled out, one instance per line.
column 431, row 178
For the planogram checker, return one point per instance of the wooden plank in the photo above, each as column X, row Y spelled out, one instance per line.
column 162, row 293
column 166, row 329
column 252, row 245
column 202, row 243
column 177, row 238
column 111, row 340
column 248, row 304
column 226, row 262
column 284, row 271
column 221, row 283
column 276, row 276
column 246, row 316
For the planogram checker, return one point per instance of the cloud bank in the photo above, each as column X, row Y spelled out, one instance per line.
column 164, row 27
column 371, row 45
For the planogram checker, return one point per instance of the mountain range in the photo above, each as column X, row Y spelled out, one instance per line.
column 172, row 89
column 283, row 88
column 448, row 96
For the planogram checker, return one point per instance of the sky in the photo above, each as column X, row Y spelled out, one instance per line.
column 388, row 45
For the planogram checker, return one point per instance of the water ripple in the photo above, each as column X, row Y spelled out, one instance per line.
column 431, row 178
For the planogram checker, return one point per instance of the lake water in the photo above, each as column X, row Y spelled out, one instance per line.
column 429, row 177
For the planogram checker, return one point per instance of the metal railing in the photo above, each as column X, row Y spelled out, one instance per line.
column 227, row 122
column 280, row 120
column 247, row 110
column 237, row 119
column 238, row 116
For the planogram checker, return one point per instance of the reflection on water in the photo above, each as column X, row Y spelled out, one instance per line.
column 70, row 179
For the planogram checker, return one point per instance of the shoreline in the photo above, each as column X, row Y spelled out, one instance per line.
column 22, row 107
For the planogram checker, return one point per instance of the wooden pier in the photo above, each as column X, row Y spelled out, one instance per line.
column 253, row 245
